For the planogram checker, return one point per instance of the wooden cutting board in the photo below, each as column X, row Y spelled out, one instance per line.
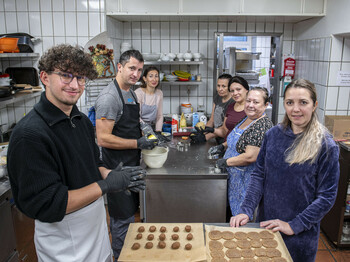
column 197, row 253
column 277, row 236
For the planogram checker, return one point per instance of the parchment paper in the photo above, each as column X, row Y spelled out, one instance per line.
column 281, row 245
column 197, row 253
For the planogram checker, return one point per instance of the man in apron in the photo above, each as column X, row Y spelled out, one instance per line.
column 54, row 167
column 119, row 134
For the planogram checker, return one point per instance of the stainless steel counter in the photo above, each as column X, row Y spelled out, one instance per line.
column 186, row 188
column 191, row 162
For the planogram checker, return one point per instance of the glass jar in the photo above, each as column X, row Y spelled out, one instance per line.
column 346, row 231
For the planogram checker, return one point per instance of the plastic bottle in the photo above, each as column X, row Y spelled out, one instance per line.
column 195, row 119
column 182, row 121
column 174, row 123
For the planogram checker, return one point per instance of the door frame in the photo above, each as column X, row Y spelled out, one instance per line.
column 276, row 81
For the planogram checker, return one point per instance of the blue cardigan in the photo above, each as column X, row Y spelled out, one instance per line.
column 298, row 194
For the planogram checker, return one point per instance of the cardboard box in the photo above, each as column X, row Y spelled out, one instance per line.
column 339, row 126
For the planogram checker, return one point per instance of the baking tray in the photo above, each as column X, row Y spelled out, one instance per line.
column 197, row 253
column 277, row 236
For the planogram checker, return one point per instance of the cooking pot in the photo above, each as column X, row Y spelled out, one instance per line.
column 6, row 91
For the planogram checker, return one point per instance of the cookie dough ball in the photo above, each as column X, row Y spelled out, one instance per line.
column 135, row 246
column 189, row 236
column 188, row 228
column 150, row 237
column 139, row 236
column 188, row 246
column 152, row 228
column 162, row 237
column 162, row 229
column 176, row 229
column 175, row 245
column 141, row 229
column 175, row 236
column 161, row 244
column 149, row 245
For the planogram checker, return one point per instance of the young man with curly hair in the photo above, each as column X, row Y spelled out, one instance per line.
column 54, row 168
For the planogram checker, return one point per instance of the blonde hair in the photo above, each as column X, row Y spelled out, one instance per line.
column 308, row 144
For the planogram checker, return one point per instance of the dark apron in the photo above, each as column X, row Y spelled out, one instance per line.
column 121, row 205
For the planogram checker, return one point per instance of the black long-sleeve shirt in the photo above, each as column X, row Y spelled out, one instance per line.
column 50, row 153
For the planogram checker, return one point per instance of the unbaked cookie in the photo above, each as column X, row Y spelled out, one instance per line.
column 232, row 253
column 162, row 229
column 241, row 235
column 152, row 228
column 188, row 246
column 263, row 259
column 188, row 228
column 161, row 244
column 175, row 236
column 270, row 243
column 230, row 244
column 176, row 229
column 214, row 235
column 141, row 229
column 175, row 245
column 228, row 235
column 139, row 236
column 243, row 244
column 260, row 252
column 218, row 259
column 215, row 245
column 247, row 253
column 150, row 237
column 135, row 246
column 256, row 243
column 149, row 245
column 217, row 253
column 266, row 234
column 253, row 235
column 273, row 252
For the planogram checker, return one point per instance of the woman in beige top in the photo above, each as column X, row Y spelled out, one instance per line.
column 151, row 98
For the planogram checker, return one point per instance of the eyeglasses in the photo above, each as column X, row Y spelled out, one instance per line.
column 67, row 78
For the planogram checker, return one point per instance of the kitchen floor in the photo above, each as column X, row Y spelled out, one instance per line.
column 24, row 228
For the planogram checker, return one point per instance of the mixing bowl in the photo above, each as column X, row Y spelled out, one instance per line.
column 156, row 157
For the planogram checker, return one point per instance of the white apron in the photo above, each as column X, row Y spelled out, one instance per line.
column 80, row 236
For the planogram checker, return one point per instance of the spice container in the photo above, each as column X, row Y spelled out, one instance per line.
column 347, row 207
column 346, row 231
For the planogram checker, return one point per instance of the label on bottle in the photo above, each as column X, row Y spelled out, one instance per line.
column 174, row 123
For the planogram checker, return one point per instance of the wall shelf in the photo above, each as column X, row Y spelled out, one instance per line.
column 19, row 55
column 17, row 98
column 180, row 83
column 173, row 62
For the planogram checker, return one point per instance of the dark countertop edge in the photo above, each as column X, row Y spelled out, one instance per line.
column 344, row 146
column 5, row 189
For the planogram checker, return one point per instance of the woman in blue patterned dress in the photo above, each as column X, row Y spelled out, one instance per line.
column 296, row 176
column 243, row 145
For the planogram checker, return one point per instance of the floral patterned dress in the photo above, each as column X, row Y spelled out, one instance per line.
column 239, row 176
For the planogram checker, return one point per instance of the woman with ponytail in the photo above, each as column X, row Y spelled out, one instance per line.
column 296, row 176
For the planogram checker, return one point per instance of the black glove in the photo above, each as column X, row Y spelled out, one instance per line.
column 219, row 149
column 208, row 129
column 121, row 178
column 222, row 163
column 161, row 138
column 198, row 137
column 145, row 143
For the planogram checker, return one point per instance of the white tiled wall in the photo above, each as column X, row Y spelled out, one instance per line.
column 53, row 22
column 319, row 61
column 165, row 37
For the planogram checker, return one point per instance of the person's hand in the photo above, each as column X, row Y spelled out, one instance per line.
column 219, row 149
column 198, row 137
column 277, row 225
column 239, row 220
column 208, row 129
column 221, row 163
column 161, row 138
column 145, row 143
column 123, row 178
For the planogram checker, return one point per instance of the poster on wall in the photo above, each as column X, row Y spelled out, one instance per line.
column 343, row 78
